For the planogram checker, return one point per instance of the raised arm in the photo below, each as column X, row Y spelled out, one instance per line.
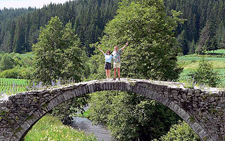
column 125, row 46
column 101, row 50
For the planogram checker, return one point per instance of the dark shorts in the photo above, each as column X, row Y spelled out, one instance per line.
column 108, row 66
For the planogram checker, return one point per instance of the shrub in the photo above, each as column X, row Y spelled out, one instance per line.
column 129, row 116
column 180, row 132
column 10, row 73
column 6, row 62
column 205, row 74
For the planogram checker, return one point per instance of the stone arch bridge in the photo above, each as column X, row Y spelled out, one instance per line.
column 204, row 111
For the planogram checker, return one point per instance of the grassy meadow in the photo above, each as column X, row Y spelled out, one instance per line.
column 50, row 128
column 191, row 62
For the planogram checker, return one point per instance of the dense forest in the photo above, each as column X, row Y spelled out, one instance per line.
column 203, row 30
column 204, row 26
column 88, row 17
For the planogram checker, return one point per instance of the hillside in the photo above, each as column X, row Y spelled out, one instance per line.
column 204, row 28
column 87, row 16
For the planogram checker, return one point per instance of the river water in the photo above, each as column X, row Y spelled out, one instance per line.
column 84, row 124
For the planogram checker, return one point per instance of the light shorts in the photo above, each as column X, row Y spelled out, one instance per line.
column 116, row 65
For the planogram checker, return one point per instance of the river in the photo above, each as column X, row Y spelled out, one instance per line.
column 84, row 124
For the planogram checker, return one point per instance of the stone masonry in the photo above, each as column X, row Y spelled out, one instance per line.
column 203, row 110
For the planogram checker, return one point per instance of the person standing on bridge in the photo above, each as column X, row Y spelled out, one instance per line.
column 116, row 60
column 108, row 59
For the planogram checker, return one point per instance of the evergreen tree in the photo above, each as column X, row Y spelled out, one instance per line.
column 205, row 74
column 19, row 38
column 204, row 39
column 90, row 16
column 192, row 47
column 220, row 36
column 182, row 41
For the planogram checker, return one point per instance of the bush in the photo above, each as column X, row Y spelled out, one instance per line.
column 205, row 74
column 180, row 132
column 130, row 116
column 10, row 73
column 17, row 72
column 6, row 62
column 66, row 110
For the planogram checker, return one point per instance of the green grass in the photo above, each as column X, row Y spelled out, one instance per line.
column 217, row 51
column 191, row 62
column 198, row 57
column 10, row 86
column 50, row 128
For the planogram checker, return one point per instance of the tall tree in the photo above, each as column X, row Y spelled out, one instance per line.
column 183, row 42
column 88, row 17
column 152, row 52
column 192, row 47
column 19, row 36
column 204, row 39
column 57, row 53
column 131, row 116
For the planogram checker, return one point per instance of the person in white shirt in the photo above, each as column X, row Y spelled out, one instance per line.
column 108, row 59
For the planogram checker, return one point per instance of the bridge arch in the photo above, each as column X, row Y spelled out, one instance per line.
column 181, row 101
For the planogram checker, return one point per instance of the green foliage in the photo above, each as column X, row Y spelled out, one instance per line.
column 191, row 63
column 50, row 128
column 130, row 116
column 15, row 65
column 57, row 53
column 151, row 52
column 180, row 132
column 182, row 42
column 10, row 73
column 6, row 62
column 85, row 114
column 205, row 74
column 192, row 47
column 204, row 40
column 20, row 27
column 66, row 110
column 17, row 72
column 204, row 23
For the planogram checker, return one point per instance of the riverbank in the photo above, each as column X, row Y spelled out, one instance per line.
column 51, row 128
column 84, row 124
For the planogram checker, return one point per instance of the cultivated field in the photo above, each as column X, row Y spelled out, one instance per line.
column 191, row 62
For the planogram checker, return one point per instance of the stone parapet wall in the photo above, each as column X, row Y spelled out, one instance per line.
column 202, row 110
